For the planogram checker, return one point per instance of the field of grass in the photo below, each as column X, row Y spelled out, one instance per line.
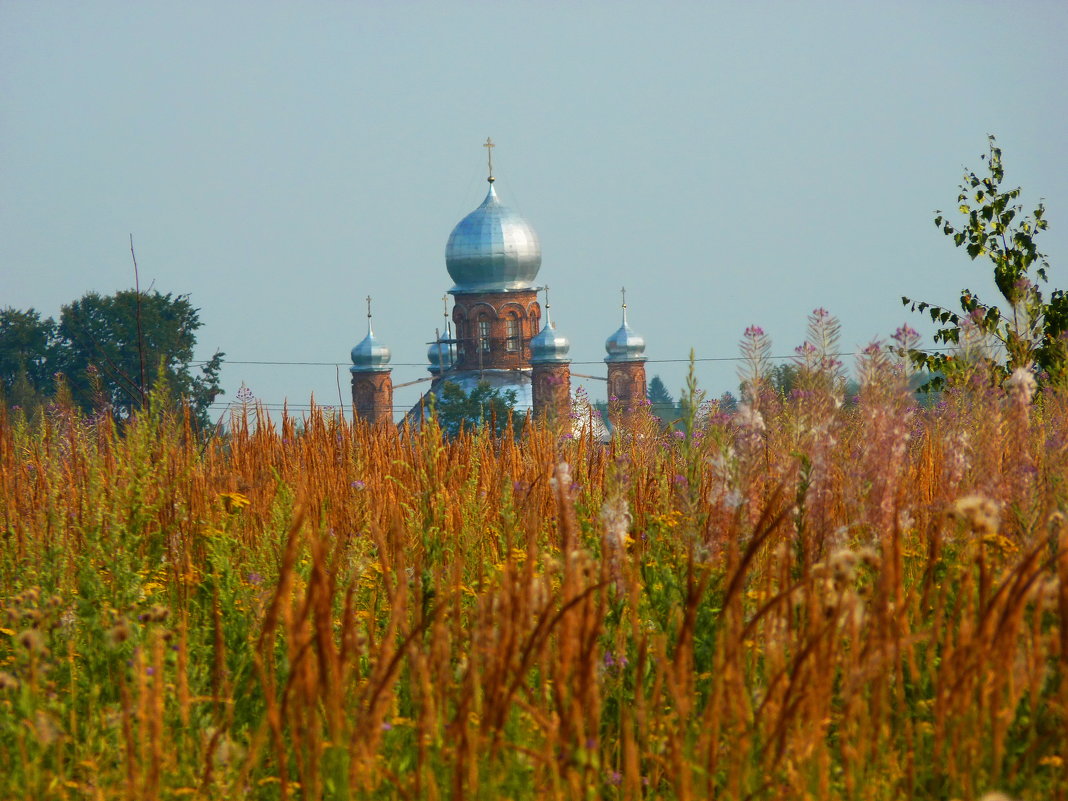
column 804, row 600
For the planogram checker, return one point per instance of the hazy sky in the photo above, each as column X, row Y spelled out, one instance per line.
column 729, row 163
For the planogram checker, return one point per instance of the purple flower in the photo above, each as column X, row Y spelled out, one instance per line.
column 254, row 578
column 614, row 778
column 905, row 335
column 358, row 486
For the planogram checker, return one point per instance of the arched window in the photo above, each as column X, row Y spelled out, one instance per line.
column 512, row 342
column 484, row 335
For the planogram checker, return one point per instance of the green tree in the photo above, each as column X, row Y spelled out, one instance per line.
column 660, row 401
column 27, row 349
column 484, row 405
column 1029, row 329
column 112, row 350
column 784, row 378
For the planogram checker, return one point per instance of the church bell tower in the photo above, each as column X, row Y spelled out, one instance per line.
column 372, row 383
column 626, row 366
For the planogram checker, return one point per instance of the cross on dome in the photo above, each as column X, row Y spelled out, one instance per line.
column 369, row 355
column 625, row 345
column 489, row 156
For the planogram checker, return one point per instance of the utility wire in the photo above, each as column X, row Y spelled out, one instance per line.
column 599, row 361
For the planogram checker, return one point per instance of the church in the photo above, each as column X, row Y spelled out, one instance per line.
column 497, row 333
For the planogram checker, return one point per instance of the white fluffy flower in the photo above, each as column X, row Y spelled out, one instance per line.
column 1021, row 385
column 748, row 417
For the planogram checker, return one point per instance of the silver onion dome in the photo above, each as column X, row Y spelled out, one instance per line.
column 370, row 355
column 492, row 249
column 625, row 345
column 547, row 346
column 442, row 355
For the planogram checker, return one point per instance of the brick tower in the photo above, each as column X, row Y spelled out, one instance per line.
column 626, row 366
column 551, row 379
column 372, row 384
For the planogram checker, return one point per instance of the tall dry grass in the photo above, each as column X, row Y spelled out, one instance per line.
column 800, row 600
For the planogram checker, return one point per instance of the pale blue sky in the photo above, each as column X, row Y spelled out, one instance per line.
column 729, row 163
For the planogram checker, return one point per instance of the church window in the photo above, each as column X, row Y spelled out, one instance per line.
column 484, row 335
column 513, row 334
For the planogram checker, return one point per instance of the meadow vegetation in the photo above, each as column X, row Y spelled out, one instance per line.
column 804, row 598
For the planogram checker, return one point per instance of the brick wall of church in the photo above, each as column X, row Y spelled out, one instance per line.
column 626, row 385
column 486, row 341
column 551, row 391
column 372, row 396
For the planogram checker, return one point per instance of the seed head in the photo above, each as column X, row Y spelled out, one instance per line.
column 32, row 640
column 119, row 633
column 979, row 513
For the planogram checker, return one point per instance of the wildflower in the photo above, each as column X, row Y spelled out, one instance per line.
column 615, row 778
column 906, row 337
column 234, row 502
column 359, row 486
column 613, row 661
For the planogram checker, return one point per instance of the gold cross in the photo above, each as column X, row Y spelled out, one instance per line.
column 623, row 292
column 546, row 288
column 489, row 155
column 368, row 307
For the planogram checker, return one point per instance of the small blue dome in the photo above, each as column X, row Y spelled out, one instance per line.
column 547, row 346
column 625, row 345
column 441, row 355
column 492, row 249
column 370, row 355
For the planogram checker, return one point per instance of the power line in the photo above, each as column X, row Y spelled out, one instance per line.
column 599, row 361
